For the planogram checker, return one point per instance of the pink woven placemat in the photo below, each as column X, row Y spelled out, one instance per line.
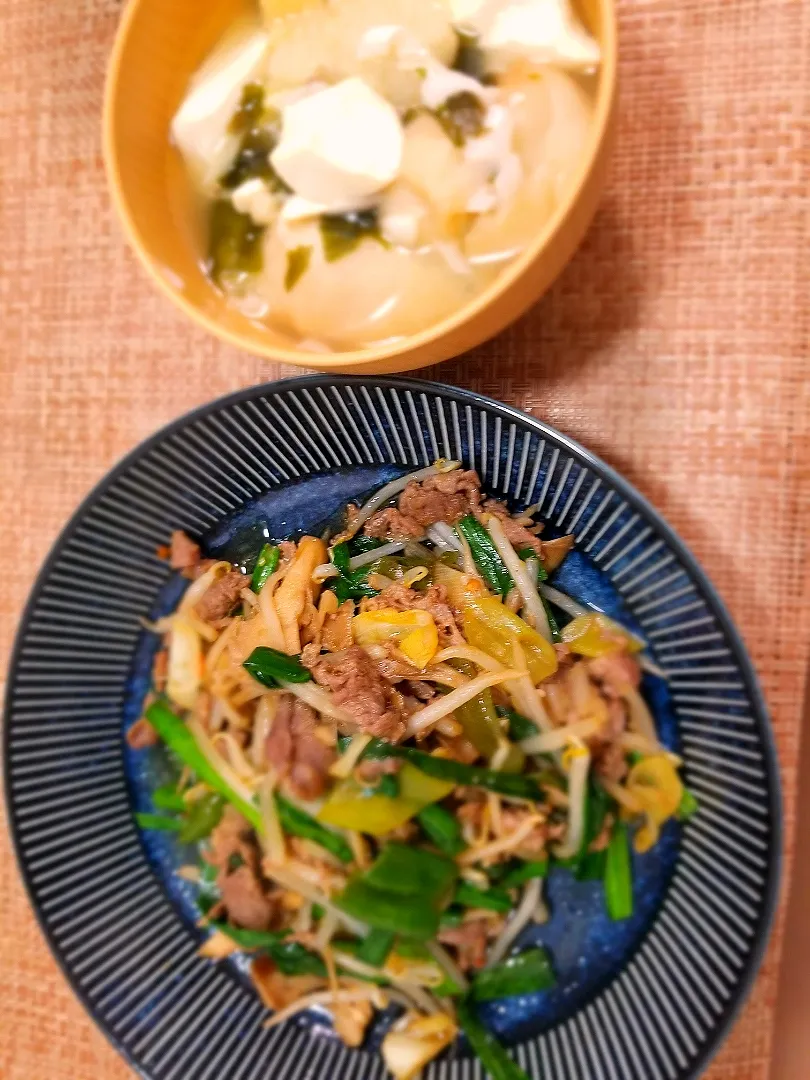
column 675, row 346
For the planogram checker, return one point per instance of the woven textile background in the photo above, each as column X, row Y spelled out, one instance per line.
column 675, row 346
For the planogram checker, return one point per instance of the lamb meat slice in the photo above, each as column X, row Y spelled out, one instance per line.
column 142, row 735
column 447, row 497
column 234, row 853
column 231, row 837
column 470, row 941
column 221, row 597
column 246, row 901
column 609, row 756
column 391, row 524
column 294, row 750
column 357, row 686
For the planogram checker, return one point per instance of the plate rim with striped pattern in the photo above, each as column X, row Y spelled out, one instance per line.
column 640, row 509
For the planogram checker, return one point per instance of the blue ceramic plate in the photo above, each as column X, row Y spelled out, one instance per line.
column 645, row 999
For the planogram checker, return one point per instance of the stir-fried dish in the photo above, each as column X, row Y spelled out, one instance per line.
column 384, row 743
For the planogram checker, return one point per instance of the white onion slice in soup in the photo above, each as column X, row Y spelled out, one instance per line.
column 371, row 294
column 552, row 117
column 437, row 170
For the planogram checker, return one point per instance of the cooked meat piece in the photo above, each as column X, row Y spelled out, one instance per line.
column 470, row 941
column 448, row 497
column 294, row 750
column 609, row 758
column 615, row 672
column 464, row 793
column 231, row 837
column 288, row 549
column 234, row 853
column 557, row 700
column 390, row 524
column 602, row 838
column 617, row 719
column 184, row 554
column 350, row 529
column 277, row 991
column 245, row 900
column 533, row 845
column 221, row 597
column 433, row 600
column 459, row 748
column 610, row 762
column 142, row 735
column 358, row 687
column 472, row 814
column 519, row 536
column 350, row 1020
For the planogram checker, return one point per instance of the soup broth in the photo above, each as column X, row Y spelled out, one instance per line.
column 361, row 169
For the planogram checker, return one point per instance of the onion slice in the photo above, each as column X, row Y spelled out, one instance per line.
column 468, row 652
column 440, row 534
column 533, row 610
column 425, row 718
column 550, row 741
column 524, row 694
column 566, row 603
column 577, row 805
column 273, row 839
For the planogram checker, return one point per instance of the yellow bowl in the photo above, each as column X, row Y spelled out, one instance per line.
column 158, row 47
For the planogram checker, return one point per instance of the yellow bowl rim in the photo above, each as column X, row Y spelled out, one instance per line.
column 357, row 358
